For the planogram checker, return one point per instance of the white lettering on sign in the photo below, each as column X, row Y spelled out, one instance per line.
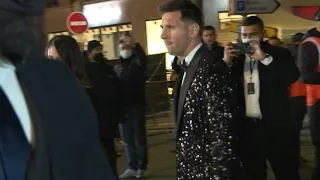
column 252, row 6
column 78, row 23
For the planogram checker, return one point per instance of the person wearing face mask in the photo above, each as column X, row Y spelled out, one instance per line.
column 125, row 53
column 263, row 77
column 131, row 70
column 94, row 52
column 109, row 93
column 48, row 126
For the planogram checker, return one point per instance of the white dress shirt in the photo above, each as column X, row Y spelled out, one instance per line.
column 11, row 87
column 189, row 58
column 252, row 100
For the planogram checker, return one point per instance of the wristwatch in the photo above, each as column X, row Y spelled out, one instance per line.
column 267, row 55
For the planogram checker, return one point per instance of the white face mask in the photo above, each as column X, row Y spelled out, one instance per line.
column 251, row 39
column 125, row 54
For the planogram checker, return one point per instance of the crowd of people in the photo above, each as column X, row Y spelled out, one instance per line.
column 236, row 107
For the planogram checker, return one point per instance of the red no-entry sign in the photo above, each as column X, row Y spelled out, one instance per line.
column 77, row 23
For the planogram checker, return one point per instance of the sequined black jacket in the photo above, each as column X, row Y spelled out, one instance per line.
column 205, row 111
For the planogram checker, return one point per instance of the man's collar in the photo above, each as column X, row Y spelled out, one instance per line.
column 6, row 64
column 190, row 56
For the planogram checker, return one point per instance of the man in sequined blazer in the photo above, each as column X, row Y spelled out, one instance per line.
column 204, row 102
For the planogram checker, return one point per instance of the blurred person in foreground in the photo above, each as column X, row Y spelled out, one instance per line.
column 66, row 49
column 205, row 105
column 48, row 129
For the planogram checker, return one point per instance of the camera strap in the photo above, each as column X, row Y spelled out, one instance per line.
column 251, row 85
column 252, row 64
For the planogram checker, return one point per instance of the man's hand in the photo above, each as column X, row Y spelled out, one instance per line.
column 258, row 54
column 229, row 53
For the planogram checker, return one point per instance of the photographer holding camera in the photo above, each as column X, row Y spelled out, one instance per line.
column 263, row 74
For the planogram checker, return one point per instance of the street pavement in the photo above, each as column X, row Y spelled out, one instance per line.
column 162, row 164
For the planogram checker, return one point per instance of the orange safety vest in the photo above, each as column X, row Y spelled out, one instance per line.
column 297, row 89
column 313, row 91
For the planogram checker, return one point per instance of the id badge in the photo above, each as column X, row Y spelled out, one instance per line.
column 251, row 88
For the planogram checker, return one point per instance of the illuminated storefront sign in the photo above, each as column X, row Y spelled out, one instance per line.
column 102, row 14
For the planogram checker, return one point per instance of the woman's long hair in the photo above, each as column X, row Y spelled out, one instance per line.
column 70, row 54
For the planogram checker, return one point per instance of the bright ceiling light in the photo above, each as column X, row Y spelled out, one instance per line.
column 102, row 14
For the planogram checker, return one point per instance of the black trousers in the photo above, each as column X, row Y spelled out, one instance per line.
column 260, row 143
column 314, row 118
column 109, row 149
column 298, row 111
column 316, row 171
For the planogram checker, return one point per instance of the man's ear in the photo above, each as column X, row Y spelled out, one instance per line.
column 194, row 30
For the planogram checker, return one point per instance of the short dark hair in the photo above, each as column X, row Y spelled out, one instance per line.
column 92, row 45
column 297, row 37
column 209, row 28
column 252, row 20
column 21, row 34
column 189, row 10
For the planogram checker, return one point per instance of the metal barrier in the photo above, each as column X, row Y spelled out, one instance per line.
column 159, row 108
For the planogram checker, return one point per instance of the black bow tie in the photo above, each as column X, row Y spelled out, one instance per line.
column 183, row 65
